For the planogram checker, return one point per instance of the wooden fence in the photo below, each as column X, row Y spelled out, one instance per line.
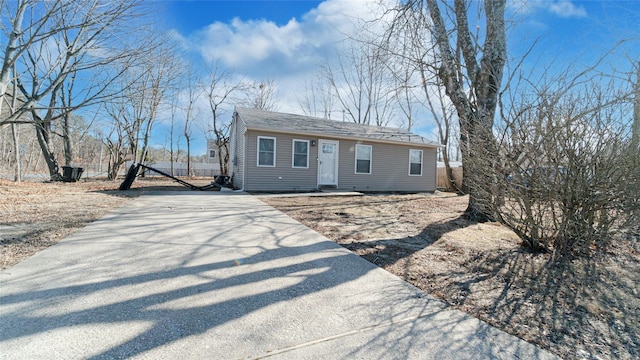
column 441, row 178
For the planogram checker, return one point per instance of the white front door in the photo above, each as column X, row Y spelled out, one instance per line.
column 327, row 162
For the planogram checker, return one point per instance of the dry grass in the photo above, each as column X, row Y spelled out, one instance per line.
column 587, row 308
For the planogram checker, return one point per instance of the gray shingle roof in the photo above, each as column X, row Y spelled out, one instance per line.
column 291, row 123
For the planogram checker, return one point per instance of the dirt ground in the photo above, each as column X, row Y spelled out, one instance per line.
column 35, row 215
column 586, row 309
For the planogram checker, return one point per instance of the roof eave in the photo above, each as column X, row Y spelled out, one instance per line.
column 345, row 137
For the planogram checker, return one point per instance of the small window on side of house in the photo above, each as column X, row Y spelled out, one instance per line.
column 363, row 159
column 415, row 162
column 300, row 154
column 212, row 153
column 266, row 151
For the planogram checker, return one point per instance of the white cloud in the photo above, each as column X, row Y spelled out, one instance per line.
column 561, row 8
column 246, row 42
column 264, row 48
column 289, row 53
column 565, row 9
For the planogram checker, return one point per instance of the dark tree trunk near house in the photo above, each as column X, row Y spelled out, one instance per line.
column 188, row 140
column 43, row 132
column 475, row 106
column 67, row 141
column 17, row 156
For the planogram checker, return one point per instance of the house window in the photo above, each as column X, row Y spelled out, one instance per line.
column 300, row 154
column 212, row 153
column 363, row 159
column 415, row 162
column 266, row 151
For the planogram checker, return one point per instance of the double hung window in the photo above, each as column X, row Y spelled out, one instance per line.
column 363, row 159
column 415, row 162
column 300, row 154
column 266, row 151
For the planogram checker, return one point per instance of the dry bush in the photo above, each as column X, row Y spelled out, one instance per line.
column 567, row 179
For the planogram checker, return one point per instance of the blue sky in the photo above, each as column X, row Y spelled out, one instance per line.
column 192, row 15
column 288, row 40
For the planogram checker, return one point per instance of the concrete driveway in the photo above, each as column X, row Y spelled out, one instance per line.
column 195, row 275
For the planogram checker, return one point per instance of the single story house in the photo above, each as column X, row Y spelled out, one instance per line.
column 271, row 151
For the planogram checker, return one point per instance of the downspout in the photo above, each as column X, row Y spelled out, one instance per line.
column 244, row 158
column 231, row 148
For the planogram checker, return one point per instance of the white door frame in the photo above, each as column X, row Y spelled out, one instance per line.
column 337, row 152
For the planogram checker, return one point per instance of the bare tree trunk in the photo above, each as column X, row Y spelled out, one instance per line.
column 635, row 130
column 443, row 122
column 32, row 153
column 14, row 131
column 188, row 140
column 218, row 91
column 16, row 143
column 223, row 156
column 66, row 139
column 194, row 91
column 11, row 50
column 476, row 111
column 43, row 132
column 116, row 157
column 171, row 152
column 65, row 98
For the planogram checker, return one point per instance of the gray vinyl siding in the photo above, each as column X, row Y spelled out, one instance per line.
column 282, row 177
column 389, row 168
column 238, row 157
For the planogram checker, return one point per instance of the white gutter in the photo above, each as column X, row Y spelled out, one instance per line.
column 344, row 137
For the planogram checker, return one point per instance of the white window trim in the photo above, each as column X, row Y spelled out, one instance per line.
column 293, row 153
column 421, row 162
column 258, row 151
column 214, row 153
column 355, row 165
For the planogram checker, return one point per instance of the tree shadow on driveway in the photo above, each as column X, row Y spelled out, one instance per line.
column 222, row 277
column 170, row 312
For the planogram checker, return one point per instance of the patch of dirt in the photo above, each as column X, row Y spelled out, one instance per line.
column 36, row 215
column 584, row 309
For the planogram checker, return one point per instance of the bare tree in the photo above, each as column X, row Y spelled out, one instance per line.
column 318, row 98
column 53, row 42
column 193, row 92
column 172, row 141
column 16, row 142
column 261, row 95
column 414, row 55
column 12, row 100
column 443, row 114
column 21, row 33
column 15, row 134
column 471, row 75
column 219, row 88
column 143, row 89
column 362, row 85
column 405, row 94
column 115, row 142
column 635, row 129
